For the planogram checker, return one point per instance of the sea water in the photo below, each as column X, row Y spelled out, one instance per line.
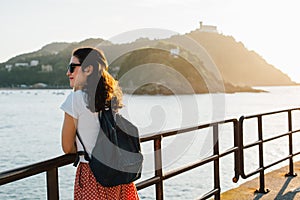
column 30, row 132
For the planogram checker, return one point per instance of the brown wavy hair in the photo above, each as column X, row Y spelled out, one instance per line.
column 102, row 89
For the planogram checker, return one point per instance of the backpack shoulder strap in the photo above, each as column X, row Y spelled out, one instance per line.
column 80, row 153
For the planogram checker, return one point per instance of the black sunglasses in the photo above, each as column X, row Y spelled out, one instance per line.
column 72, row 66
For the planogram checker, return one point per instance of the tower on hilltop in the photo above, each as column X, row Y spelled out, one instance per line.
column 208, row 28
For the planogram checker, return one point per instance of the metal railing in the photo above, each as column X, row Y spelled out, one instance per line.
column 51, row 166
column 48, row 166
column 260, row 143
column 160, row 175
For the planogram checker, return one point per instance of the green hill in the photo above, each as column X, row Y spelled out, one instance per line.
column 237, row 64
column 187, row 71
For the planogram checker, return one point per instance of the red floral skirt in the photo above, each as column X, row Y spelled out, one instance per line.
column 87, row 188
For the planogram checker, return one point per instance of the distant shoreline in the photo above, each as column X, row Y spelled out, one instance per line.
column 139, row 92
column 34, row 88
column 254, row 89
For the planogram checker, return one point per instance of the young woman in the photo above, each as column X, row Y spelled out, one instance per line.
column 93, row 89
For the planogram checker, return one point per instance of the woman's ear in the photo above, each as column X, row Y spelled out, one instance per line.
column 89, row 70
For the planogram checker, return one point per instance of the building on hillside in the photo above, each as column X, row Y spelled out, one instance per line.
column 39, row 85
column 47, row 68
column 207, row 28
column 34, row 63
column 175, row 52
column 21, row 64
column 8, row 67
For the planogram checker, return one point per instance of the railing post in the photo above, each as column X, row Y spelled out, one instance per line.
column 291, row 165
column 261, row 158
column 52, row 184
column 241, row 147
column 158, row 168
column 237, row 164
column 216, row 161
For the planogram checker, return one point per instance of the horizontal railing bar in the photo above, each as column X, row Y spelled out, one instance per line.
column 270, row 113
column 188, row 167
column 147, row 183
column 279, row 161
column 296, row 154
column 279, row 136
column 253, row 144
column 193, row 165
column 209, row 194
column 295, row 131
column 269, row 139
column 167, row 133
column 149, row 137
column 30, row 170
column 268, row 166
column 276, row 137
column 228, row 151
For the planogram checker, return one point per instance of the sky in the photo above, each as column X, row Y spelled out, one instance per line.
column 271, row 28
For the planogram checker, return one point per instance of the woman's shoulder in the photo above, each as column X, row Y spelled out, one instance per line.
column 77, row 92
column 79, row 96
column 75, row 95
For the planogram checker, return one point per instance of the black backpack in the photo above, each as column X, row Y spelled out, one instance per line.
column 116, row 158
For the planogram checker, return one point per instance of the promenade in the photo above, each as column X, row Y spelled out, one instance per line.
column 281, row 187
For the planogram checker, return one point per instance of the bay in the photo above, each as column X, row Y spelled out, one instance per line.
column 30, row 125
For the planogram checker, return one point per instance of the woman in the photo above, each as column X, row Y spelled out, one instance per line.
column 93, row 89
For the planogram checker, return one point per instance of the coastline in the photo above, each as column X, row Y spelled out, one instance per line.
column 147, row 92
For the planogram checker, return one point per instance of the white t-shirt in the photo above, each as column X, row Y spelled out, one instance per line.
column 88, row 124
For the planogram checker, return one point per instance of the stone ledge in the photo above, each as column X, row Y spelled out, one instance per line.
column 281, row 187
